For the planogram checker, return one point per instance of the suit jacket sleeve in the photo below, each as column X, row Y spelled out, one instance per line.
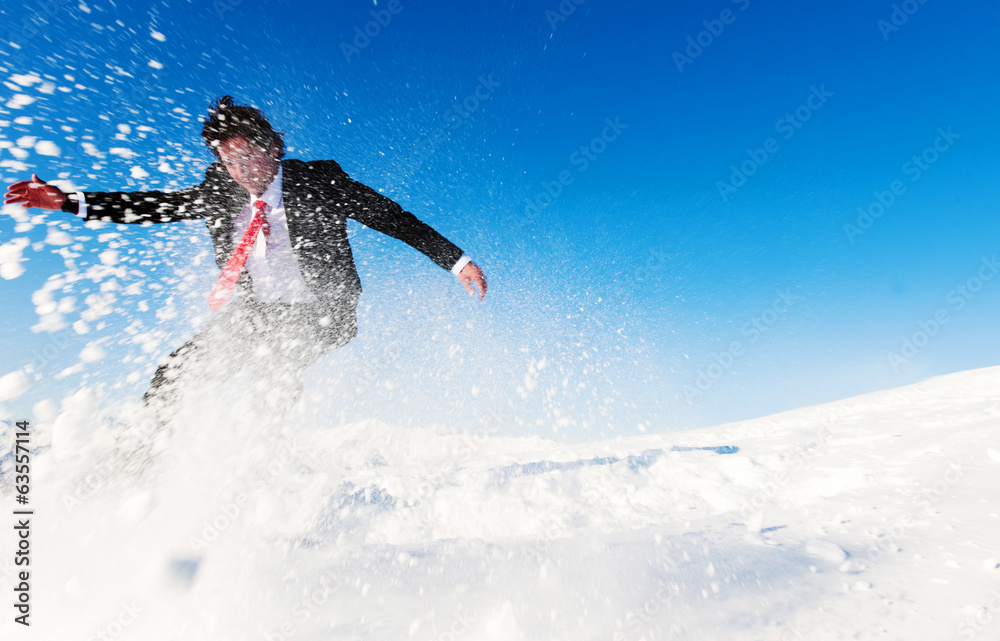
column 382, row 214
column 146, row 207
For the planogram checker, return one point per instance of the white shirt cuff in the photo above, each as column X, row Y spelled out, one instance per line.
column 82, row 212
column 462, row 262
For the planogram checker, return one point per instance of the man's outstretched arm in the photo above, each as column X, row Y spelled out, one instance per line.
column 384, row 215
column 120, row 207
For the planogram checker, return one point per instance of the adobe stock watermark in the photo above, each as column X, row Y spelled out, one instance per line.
column 752, row 507
column 787, row 126
column 108, row 132
column 453, row 118
column 562, row 12
column 460, row 625
column 460, row 450
column 541, row 548
column 233, row 508
column 363, row 36
column 888, row 540
column 956, row 300
column 389, row 350
column 976, row 623
column 643, row 268
column 134, row 441
column 753, row 329
column 914, row 169
column 900, row 15
column 58, row 342
column 127, row 615
column 305, row 608
column 90, row 485
column 714, row 28
column 581, row 159
column 638, row 621
column 600, row 318
column 34, row 22
column 222, row 7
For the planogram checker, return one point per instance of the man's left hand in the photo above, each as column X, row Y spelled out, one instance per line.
column 472, row 274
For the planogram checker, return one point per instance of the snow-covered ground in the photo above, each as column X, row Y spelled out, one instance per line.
column 877, row 517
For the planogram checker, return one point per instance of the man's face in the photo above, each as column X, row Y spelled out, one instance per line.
column 252, row 167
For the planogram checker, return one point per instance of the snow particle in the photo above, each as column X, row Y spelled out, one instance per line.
column 58, row 237
column 25, row 80
column 825, row 550
column 45, row 411
column 11, row 259
column 91, row 353
column 19, row 100
column 47, row 148
column 13, row 385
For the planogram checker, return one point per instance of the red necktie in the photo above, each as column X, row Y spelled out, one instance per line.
column 223, row 289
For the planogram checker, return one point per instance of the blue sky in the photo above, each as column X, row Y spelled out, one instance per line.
column 644, row 293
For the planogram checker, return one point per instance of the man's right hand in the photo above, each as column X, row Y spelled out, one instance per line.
column 34, row 193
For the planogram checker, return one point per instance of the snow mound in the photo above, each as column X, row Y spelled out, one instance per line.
column 872, row 517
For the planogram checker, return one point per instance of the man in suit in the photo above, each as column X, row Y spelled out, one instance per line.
column 280, row 236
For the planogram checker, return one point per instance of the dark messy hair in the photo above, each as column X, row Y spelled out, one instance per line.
column 228, row 120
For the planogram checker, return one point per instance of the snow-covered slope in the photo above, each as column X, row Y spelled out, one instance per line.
column 874, row 517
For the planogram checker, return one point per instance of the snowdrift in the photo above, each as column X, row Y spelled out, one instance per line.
column 874, row 517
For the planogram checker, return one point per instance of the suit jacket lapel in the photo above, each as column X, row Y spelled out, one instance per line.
column 226, row 198
column 290, row 188
column 296, row 187
column 225, row 224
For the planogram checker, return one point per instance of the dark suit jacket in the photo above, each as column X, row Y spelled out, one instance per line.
column 319, row 197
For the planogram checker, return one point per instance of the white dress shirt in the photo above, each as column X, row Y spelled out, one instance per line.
column 272, row 265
